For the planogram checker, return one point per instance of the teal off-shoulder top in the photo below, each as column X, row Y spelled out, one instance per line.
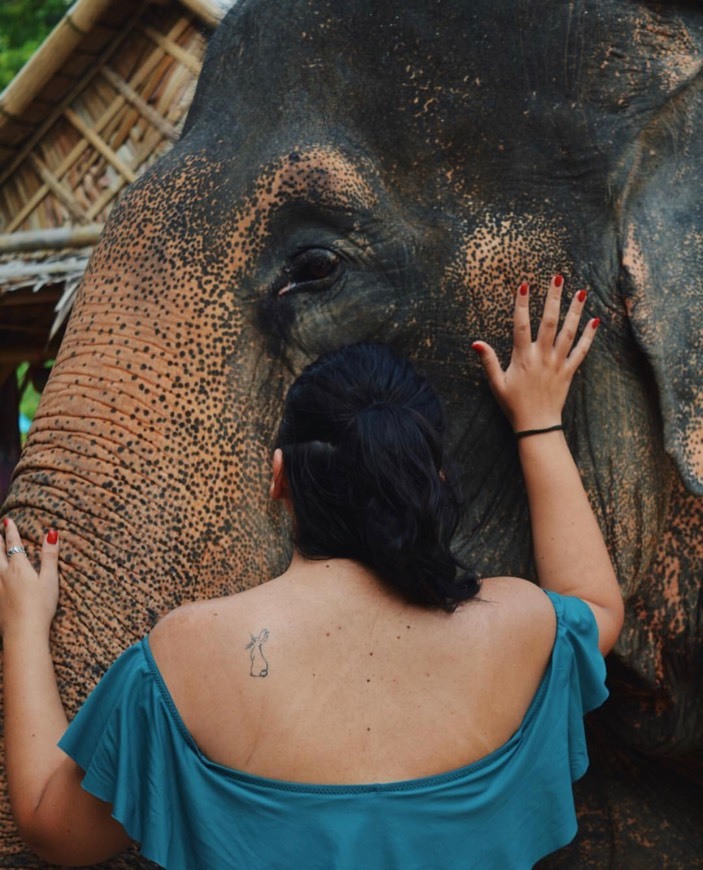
column 503, row 812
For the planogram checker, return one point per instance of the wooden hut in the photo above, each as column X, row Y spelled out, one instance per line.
column 102, row 98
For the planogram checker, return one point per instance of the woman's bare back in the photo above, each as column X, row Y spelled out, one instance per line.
column 325, row 676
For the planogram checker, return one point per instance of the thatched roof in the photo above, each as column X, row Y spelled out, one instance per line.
column 101, row 99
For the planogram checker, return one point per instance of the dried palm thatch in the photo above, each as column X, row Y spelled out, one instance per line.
column 103, row 97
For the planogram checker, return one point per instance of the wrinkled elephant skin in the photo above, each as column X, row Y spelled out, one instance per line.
column 390, row 171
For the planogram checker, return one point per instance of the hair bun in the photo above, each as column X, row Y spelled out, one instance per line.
column 382, row 499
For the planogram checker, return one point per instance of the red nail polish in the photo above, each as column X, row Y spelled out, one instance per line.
column 5, row 521
column 581, row 295
column 558, row 281
column 524, row 287
column 52, row 536
column 479, row 348
column 595, row 323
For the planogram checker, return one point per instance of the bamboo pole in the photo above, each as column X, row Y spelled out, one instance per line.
column 41, row 131
column 54, row 239
column 55, row 50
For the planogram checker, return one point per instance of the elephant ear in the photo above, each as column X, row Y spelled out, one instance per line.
column 662, row 258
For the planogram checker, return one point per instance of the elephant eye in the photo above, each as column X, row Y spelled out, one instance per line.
column 311, row 270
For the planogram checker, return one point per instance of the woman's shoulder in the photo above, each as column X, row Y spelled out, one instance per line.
column 518, row 596
column 185, row 621
column 195, row 637
column 210, row 616
column 516, row 614
column 513, row 587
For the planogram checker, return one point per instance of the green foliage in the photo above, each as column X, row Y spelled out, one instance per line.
column 29, row 398
column 24, row 25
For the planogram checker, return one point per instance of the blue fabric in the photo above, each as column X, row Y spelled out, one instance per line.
column 505, row 811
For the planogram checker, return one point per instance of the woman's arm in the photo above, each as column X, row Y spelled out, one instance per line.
column 56, row 817
column 570, row 553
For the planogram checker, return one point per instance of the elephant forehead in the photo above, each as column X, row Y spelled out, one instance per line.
column 322, row 172
column 454, row 80
column 321, row 176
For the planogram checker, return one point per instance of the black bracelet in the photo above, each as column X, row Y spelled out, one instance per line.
column 527, row 432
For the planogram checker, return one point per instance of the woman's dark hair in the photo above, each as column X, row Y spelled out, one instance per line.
column 362, row 440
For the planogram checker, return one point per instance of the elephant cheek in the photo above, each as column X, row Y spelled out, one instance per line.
column 493, row 257
column 611, row 416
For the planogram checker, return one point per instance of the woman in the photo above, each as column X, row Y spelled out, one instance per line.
column 374, row 706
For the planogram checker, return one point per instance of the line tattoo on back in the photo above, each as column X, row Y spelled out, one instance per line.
column 258, row 663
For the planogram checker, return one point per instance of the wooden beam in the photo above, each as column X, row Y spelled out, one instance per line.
column 174, row 49
column 149, row 112
column 99, row 145
column 60, row 192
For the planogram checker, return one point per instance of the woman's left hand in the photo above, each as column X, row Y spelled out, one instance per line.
column 27, row 599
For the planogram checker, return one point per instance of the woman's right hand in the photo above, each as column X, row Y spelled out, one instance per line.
column 569, row 551
column 534, row 387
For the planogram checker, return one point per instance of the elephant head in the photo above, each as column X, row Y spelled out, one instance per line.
column 390, row 172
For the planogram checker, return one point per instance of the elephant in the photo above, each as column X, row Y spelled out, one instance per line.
column 390, row 172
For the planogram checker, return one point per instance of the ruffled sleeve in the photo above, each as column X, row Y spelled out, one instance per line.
column 120, row 738
column 579, row 661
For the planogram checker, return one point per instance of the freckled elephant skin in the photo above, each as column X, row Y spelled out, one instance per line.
column 390, row 171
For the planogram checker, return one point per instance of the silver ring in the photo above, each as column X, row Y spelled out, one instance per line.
column 13, row 550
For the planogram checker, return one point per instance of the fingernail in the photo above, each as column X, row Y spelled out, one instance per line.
column 479, row 348
column 581, row 295
column 595, row 323
column 524, row 287
column 52, row 536
column 558, row 280
column 5, row 521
